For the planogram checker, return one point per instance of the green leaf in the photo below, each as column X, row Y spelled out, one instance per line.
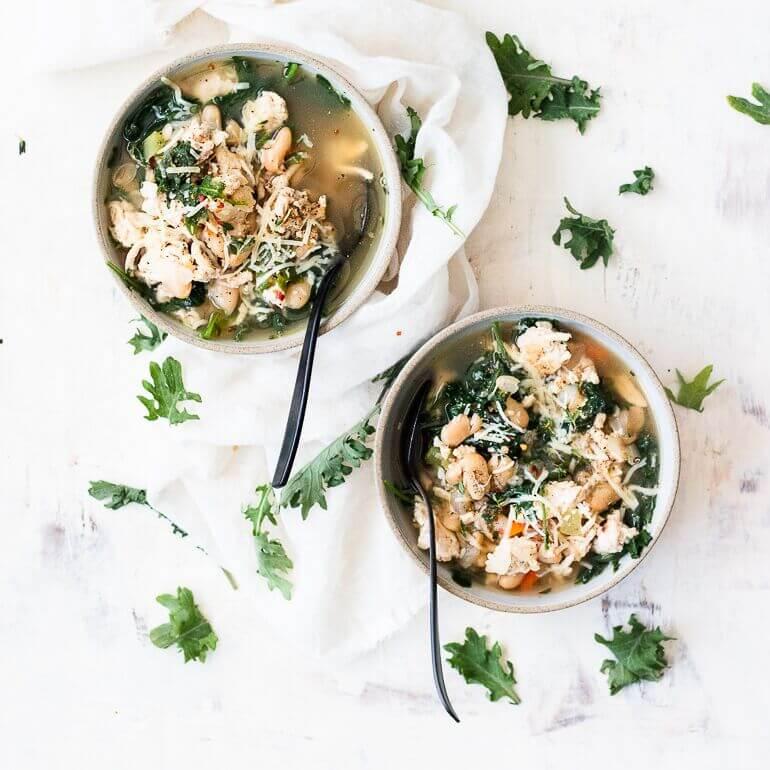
column 272, row 562
column 639, row 653
column 187, row 628
column 413, row 170
column 341, row 98
column 217, row 321
column 142, row 342
column 590, row 238
column 535, row 90
column 642, row 183
column 22, row 146
column 575, row 101
column 329, row 468
column 290, row 71
column 402, row 494
column 759, row 112
column 167, row 391
column 116, row 495
column 692, row 394
column 483, row 666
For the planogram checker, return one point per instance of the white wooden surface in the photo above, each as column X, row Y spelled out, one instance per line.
column 80, row 685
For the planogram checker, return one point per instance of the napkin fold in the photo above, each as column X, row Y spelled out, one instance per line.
column 353, row 584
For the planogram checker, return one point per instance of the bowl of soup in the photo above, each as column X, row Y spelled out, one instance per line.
column 228, row 184
column 551, row 458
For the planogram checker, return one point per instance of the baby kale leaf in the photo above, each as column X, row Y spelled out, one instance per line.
column 692, row 394
column 759, row 112
column 329, row 468
column 187, row 628
column 116, row 495
column 642, row 183
column 480, row 665
column 590, row 238
column 213, row 329
column 639, row 653
column 145, row 342
column 413, row 170
column 272, row 562
column 533, row 88
column 167, row 391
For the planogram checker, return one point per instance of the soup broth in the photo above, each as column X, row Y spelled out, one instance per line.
column 235, row 185
column 542, row 460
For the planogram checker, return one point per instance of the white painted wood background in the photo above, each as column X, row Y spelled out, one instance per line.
column 80, row 685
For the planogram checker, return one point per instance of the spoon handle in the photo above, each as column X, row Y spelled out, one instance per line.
column 435, row 644
column 299, row 398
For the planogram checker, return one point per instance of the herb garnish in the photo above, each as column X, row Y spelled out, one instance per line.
column 341, row 98
column 642, row 183
column 759, row 112
column 213, row 328
column 115, row 496
column 413, row 170
column 272, row 562
column 290, row 71
column 142, row 342
column 483, row 666
column 402, row 494
column 167, row 390
column 591, row 238
column 534, row 90
column 187, row 628
column 639, row 653
column 22, row 146
column 692, row 394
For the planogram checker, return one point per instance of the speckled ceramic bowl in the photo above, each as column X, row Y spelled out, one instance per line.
column 419, row 369
column 369, row 269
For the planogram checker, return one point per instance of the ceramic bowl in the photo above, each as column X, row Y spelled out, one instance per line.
column 419, row 368
column 369, row 270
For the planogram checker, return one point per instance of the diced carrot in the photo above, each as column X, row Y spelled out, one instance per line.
column 516, row 529
column 529, row 580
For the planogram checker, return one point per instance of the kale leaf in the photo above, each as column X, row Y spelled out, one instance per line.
column 597, row 401
column 642, row 183
column 22, row 146
column 534, row 90
column 167, row 391
column 692, row 394
column 142, row 342
column 187, row 628
column 272, row 562
column 759, row 112
column 213, row 328
column 480, row 665
column 332, row 91
column 116, row 495
column 329, row 468
column 639, row 655
column 413, row 170
column 591, row 238
column 195, row 298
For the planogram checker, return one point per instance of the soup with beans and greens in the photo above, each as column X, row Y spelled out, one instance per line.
column 235, row 187
column 542, row 461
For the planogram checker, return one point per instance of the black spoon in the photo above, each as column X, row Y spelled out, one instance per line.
column 305, row 370
column 412, row 453
column 299, row 398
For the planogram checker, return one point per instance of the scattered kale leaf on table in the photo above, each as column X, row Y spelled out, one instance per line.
column 759, row 112
column 273, row 564
column 167, row 391
column 146, row 339
column 413, row 170
column 481, row 665
column 115, row 496
column 535, row 90
column 642, row 183
column 639, row 655
column 692, row 394
column 590, row 240
column 187, row 628
column 22, row 146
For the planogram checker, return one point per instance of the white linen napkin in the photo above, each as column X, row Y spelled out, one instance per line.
column 353, row 584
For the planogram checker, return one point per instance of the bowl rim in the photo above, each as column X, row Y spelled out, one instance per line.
column 403, row 380
column 380, row 259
